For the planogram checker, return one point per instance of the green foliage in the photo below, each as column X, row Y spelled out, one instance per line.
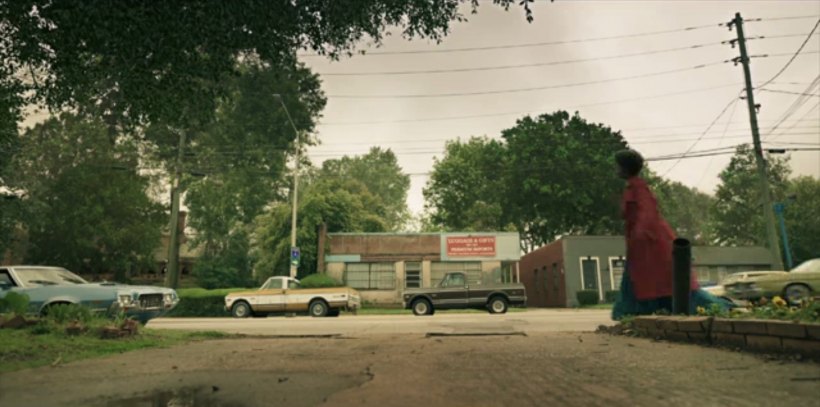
column 587, row 297
column 85, row 205
column 611, row 296
column 777, row 309
column 231, row 268
column 64, row 313
column 685, row 209
column 319, row 280
column 202, row 292
column 174, row 60
column 802, row 215
column 379, row 172
column 467, row 190
column 552, row 175
column 202, row 306
column 15, row 303
column 737, row 214
column 323, row 201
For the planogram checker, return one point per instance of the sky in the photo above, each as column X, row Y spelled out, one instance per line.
column 658, row 113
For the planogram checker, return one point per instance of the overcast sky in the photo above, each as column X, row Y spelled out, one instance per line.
column 652, row 120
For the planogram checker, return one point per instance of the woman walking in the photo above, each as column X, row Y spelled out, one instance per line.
column 646, row 287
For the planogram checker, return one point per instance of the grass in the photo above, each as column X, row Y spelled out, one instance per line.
column 24, row 348
column 597, row 306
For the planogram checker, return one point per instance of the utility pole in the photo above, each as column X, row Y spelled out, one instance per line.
column 765, row 194
column 294, row 250
column 172, row 275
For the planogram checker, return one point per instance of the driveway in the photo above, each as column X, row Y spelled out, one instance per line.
column 529, row 322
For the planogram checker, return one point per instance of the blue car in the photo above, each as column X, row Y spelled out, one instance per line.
column 50, row 286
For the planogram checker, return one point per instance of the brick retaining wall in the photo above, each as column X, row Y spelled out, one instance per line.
column 756, row 335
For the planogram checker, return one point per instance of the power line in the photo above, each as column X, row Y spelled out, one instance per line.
column 797, row 121
column 518, row 66
column 533, row 89
column 803, row 17
column 515, row 113
column 788, row 92
column 798, row 102
column 734, row 99
column 720, row 142
column 799, row 49
column 530, row 45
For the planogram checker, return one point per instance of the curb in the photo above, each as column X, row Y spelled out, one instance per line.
column 769, row 336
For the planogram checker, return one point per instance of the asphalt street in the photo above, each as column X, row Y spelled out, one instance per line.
column 527, row 322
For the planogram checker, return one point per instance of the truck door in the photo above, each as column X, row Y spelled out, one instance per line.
column 454, row 292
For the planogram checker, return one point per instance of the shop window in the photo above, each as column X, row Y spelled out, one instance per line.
column 370, row 276
column 412, row 274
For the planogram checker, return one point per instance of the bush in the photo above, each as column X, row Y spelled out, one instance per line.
column 64, row 313
column 319, row 280
column 587, row 297
column 14, row 303
column 610, row 297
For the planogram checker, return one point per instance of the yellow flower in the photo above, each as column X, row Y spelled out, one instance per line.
column 779, row 302
column 701, row 311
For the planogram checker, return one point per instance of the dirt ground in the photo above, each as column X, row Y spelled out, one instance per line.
column 558, row 369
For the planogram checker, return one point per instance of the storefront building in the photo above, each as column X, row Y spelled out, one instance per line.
column 382, row 265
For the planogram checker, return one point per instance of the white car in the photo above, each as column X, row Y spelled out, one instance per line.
column 719, row 290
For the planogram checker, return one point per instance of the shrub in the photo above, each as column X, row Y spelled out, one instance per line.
column 201, row 305
column 14, row 303
column 64, row 313
column 611, row 296
column 587, row 297
column 319, row 280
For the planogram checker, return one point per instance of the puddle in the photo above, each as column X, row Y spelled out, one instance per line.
column 185, row 397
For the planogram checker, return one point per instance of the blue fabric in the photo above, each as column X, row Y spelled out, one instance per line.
column 628, row 304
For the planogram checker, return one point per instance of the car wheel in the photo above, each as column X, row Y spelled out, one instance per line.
column 422, row 307
column 497, row 305
column 241, row 309
column 318, row 308
column 796, row 293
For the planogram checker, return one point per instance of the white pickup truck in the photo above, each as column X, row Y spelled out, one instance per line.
column 285, row 294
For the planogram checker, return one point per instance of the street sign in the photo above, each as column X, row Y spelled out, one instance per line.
column 294, row 256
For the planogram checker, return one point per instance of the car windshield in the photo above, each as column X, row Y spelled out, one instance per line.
column 47, row 276
column 810, row 266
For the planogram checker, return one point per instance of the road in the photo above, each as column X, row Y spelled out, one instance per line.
column 547, row 369
column 527, row 322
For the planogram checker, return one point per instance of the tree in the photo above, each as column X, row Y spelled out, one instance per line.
column 86, row 206
column 467, row 190
column 323, row 202
column 686, row 209
column 379, row 172
column 164, row 62
column 737, row 214
column 561, row 176
column 802, row 215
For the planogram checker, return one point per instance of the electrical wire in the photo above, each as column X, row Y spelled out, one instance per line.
column 720, row 143
column 796, row 53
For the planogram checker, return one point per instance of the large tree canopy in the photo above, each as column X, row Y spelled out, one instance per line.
column 737, row 214
column 165, row 61
column 379, row 172
column 85, row 206
column 802, row 214
column 467, row 189
column 686, row 209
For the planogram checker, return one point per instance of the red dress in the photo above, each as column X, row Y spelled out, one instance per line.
column 648, row 243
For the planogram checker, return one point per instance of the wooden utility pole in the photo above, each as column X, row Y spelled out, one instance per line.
column 172, row 275
column 765, row 194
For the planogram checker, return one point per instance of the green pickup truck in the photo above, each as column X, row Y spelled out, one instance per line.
column 455, row 293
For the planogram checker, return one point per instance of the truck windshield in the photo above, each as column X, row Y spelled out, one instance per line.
column 47, row 276
column 453, row 280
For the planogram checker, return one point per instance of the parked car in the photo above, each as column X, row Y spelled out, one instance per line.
column 794, row 286
column 719, row 290
column 285, row 294
column 47, row 287
column 453, row 292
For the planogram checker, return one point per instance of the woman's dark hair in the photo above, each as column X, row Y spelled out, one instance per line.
column 630, row 161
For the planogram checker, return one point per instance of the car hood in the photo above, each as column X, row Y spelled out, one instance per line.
column 139, row 289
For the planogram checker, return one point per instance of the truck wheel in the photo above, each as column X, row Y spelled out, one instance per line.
column 241, row 309
column 318, row 308
column 422, row 307
column 497, row 305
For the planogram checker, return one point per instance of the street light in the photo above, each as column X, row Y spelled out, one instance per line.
column 293, row 249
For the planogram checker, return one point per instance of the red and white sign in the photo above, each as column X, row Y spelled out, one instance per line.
column 471, row 246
